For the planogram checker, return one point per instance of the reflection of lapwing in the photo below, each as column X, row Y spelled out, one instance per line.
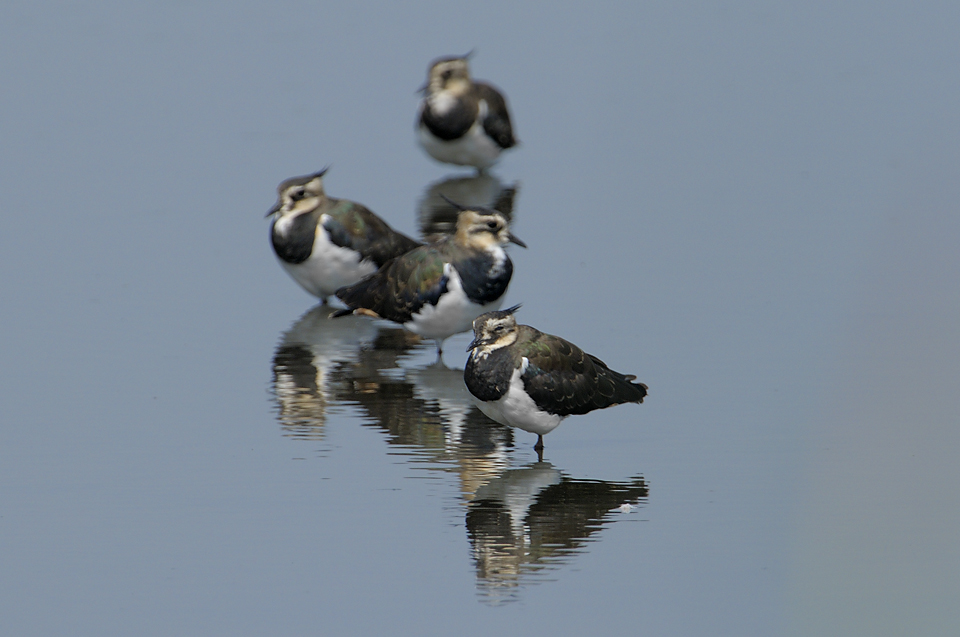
column 531, row 380
column 438, row 217
column 534, row 518
column 322, row 367
column 437, row 290
column 461, row 121
column 480, row 445
column 326, row 243
column 306, row 364
column 427, row 413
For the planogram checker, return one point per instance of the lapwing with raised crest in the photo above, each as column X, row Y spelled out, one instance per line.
column 438, row 289
column 326, row 243
column 530, row 380
column 437, row 218
column 462, row 121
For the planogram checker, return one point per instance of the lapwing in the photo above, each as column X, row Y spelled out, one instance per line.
column 530, row 380
column 438, row 289
column 437, row 217
column 462, row 121
column 326, row 243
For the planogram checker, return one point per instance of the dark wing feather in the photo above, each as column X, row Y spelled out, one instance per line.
column 564, row 380
column 497, row 122
column 351, row 225
column 401, row 287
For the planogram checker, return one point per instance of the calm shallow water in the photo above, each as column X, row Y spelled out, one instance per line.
column 751, row 208
column 522, row 522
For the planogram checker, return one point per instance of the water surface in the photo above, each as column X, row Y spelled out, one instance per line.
column 752, row 208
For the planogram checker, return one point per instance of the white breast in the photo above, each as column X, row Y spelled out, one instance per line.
column 516, row 409
column 330, row 267
column 453, row 313
column 442, row 102
column 474, row 148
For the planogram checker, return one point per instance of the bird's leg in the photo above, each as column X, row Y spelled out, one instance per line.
column 439, row 351
column 539, row 447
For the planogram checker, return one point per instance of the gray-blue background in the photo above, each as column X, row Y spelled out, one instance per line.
column 752, row 206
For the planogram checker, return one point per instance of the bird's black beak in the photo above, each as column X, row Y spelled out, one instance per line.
column 474, row 344
column 514, row 239
column 423, row 89
column 274, row 210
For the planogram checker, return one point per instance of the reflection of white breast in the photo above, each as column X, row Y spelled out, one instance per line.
column 518, row 489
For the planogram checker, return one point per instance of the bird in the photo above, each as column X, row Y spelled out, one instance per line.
column 438, row 289
column 530, row 380
column 462, row 121
column 326, row 243
column 437, row 218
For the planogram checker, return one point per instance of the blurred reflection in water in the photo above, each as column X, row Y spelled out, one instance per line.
column 428, row 412
column 310, row 360
column 438, row 218
column 303, row 366
column 322, row 365
column 531, row 520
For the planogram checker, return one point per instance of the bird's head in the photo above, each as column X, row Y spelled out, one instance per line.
column 494, row 330
column 299, row 194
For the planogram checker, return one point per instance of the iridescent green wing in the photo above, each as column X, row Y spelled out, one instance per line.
column 352, row 225
column 401, row 287
column 564, row 380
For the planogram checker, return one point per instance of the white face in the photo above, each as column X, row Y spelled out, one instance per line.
column 495, row 332
column 451, row 75
column 295, row 198
column 482, row 230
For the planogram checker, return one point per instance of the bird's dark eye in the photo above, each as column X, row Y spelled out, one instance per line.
column 297, row 195
column 492, row 225
column 446, row 74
